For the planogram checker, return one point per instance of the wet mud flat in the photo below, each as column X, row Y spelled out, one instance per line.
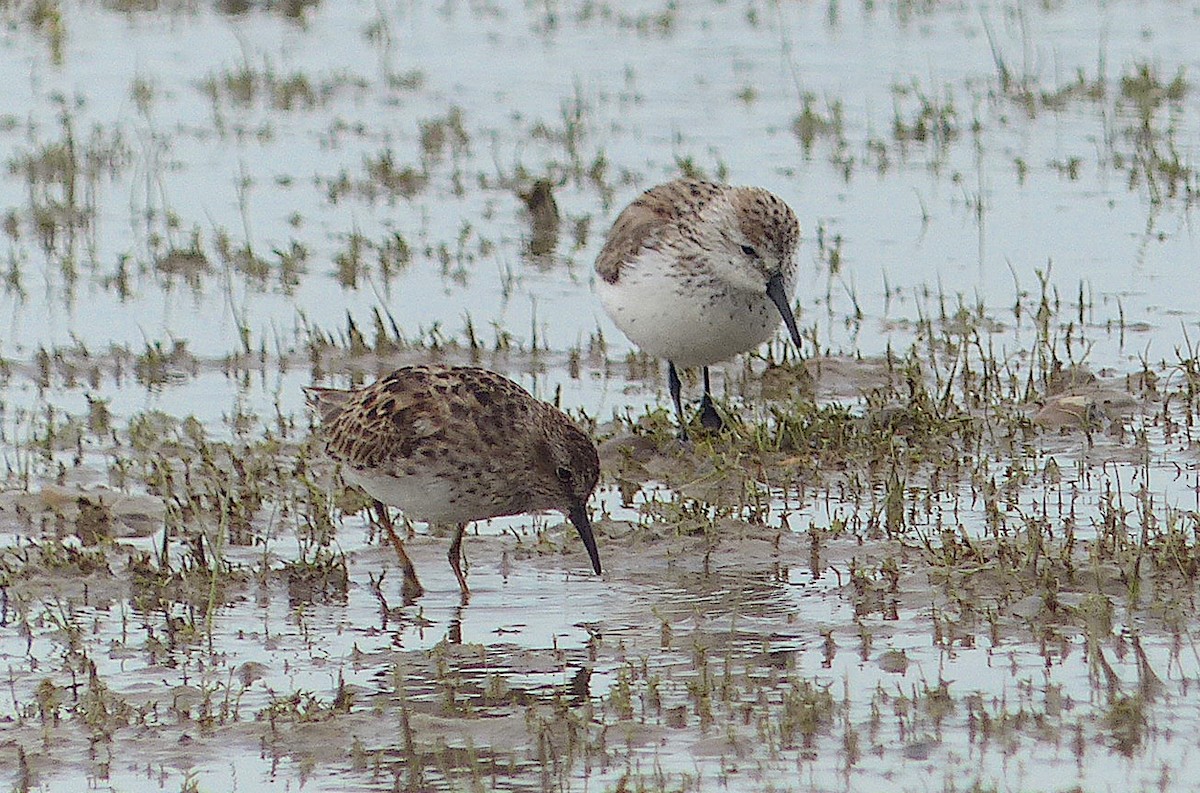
column 953, row 548
column 677, row 675
column 976, row 597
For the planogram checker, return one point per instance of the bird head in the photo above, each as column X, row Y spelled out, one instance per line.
column 568, row 469
column 755, row 236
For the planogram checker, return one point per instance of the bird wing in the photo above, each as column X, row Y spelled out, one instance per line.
column 415, row 414
column 644, row 222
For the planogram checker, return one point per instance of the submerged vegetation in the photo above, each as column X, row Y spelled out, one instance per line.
column 940, row 499
column 954, row 545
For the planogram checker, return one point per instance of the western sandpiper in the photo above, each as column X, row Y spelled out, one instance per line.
column 454, row 444
column 697, row 272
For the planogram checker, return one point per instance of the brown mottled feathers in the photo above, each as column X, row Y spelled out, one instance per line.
column 327, row 402
column 454, row 444
column 401, row 416
column 652, row 214
column 769, row 222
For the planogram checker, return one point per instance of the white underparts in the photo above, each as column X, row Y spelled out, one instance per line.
column 690, row 321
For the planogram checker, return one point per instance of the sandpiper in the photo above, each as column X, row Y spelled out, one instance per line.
column 697, row 272
column 454, row 444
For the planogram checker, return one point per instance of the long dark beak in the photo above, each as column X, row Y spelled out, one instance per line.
column 579, row 517
column 783, row 301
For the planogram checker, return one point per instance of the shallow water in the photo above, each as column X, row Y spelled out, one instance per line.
column 959, row 168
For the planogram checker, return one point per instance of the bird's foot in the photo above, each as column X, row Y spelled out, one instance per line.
column 456, row 561
column 411, row 589
column 709, row 418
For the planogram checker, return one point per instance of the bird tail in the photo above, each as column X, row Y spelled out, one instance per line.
column 326, row 402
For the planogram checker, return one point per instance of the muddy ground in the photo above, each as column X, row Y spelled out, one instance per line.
column 951, row 544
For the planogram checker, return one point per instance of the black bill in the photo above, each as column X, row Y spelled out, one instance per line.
column 579, row 517
column 783, row 301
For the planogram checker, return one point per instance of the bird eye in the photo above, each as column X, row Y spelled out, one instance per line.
column 749, row 251
column 563, row 473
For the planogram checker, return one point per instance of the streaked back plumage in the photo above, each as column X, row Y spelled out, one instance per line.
column 455, row 444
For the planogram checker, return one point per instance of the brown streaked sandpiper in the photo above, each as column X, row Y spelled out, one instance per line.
column 697, row 272
column 455, row 444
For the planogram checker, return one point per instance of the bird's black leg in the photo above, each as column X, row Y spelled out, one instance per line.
column 675, row 386
column 709, row 418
